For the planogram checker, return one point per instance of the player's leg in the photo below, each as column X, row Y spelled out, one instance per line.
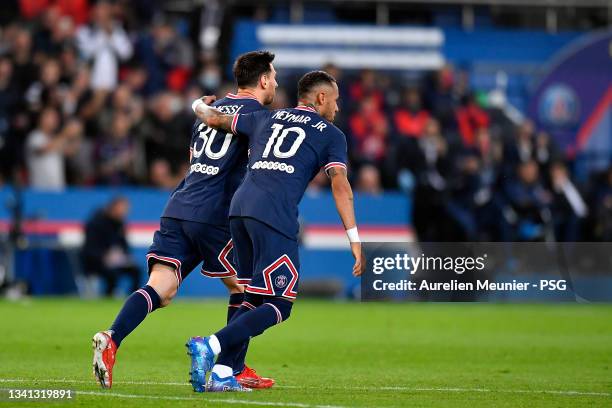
column 228, row 342
column 215, row 248
column 165, row 276
column 220, row 255
column 236, row 295
column 274, row 286
column 245, row 375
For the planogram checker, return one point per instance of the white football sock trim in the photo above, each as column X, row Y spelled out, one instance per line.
column 214, row 344
column 222, row 371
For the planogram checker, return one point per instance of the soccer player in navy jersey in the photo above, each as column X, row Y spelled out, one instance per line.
column 288, row 147
column 194, row 226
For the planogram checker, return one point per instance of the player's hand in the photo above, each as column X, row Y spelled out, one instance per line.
column 360, row 261
column 209, row 99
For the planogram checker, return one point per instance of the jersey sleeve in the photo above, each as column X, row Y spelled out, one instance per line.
column 243, row 124
column 337, row 152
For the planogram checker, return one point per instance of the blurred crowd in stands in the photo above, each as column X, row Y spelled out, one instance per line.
column 99, row 94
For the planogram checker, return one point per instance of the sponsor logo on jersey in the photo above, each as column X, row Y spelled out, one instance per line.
column 204, row 169
column 273, row 165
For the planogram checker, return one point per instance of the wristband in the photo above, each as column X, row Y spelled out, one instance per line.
column 196, row 104
column 353, row 235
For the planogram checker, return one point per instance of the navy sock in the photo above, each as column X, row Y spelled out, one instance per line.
column 234, row 356
column 249, row 324
column 235, row 301
column 240, row 356
column 134, row 310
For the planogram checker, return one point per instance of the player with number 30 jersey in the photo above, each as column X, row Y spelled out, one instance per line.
column 194, row 226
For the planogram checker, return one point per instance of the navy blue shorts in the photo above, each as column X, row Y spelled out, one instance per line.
column 268, row 261
column 184, row 244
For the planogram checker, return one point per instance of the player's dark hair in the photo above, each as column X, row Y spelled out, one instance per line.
column 312, row 79
column 249, row 67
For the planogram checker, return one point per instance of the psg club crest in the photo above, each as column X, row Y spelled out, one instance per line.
column 559, row 106
column 280, row 281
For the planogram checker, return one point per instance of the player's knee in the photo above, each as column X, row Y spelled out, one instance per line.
column 163, row 280
column 166, row 297
column 283, row 306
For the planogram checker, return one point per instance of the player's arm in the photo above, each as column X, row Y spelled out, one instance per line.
column 211, row 116
column 343, row 196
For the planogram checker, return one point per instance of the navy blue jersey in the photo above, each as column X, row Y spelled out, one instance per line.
column 288, row 147
column 218, row 164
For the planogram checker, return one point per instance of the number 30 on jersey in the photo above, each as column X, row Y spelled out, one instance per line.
column 207, row 135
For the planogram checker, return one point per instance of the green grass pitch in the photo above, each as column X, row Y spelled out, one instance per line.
column 328, row 354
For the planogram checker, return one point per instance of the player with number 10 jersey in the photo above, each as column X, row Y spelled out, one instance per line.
column 287, row 148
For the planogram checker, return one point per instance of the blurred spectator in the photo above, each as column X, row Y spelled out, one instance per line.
column 46, row 91
column 368, row 180
column 545, row 151
column 160, row 175
column 9, row 100
column 442, row 98
column 55, row 31
column 167, row 129
column 472, row 205
column 603, row 209
column 366, row 86
column 122, row 101
column 116, row 154
column 369, row 128
column 21, row 52
column 529, row 202
column 78, row 91
column 209, row 77
column 424, row 165
column 47, row 149
column 410, row 118
column 106, row 252
column 568, row 207
column 470, row 119
column 104, row 42
column 521, row 147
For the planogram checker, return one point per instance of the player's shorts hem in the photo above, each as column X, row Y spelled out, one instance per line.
column 223, row 274
column 244, row 281
column 259, row 291
column 152, row 259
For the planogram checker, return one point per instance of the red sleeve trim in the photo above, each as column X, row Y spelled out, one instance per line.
column 234, row 122
column 334, row 164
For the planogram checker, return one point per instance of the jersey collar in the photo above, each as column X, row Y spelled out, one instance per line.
column 306, row 108
column 234, row 96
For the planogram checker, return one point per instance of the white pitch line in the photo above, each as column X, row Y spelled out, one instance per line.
column 205, row 398
column 391, row 388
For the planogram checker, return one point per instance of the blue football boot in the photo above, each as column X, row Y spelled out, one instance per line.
column 227, row 384
column 202, row 361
